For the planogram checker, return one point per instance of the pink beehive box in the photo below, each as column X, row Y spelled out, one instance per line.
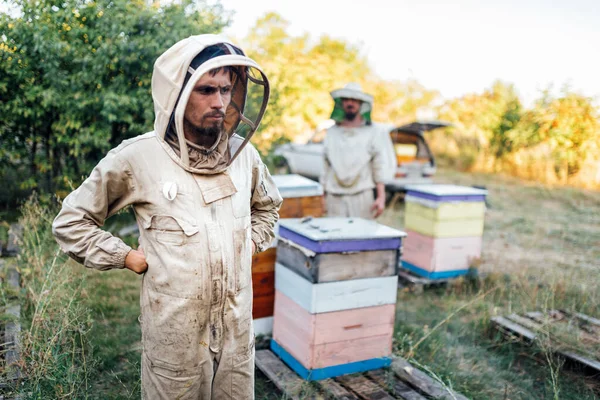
column 333, row 338
column 337, row 321
column 440, row 257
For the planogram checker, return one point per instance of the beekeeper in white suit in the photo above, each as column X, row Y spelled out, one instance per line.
column 205, row 203
column 358, row 155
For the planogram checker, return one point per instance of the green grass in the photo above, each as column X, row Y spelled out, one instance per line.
column 113, row 299
column 540, row 252
column 468, row 354
column 56, row 357
column 4, row 227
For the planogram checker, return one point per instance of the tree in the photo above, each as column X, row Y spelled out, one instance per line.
column 481, row 125
column 568, row 125
column 75, row 80
column 303, row 70
column 555, row 141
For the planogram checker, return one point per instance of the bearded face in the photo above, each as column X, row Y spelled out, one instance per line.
column 204, row 116
column 351, row 108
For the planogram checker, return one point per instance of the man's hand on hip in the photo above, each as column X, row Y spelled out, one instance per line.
column 136, row 261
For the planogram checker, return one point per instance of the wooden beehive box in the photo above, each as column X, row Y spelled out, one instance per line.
column 334, row 328
column 340, row 235
column 332, row 317
column 301, row 197
column 331, row 267
column 335, row 296
column 438, row 258
column 263, row 287
column 445, row 210
column 445, row 226
column 337, row 338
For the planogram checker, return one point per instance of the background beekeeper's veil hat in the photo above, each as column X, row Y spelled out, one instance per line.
column 351, row 91
column 177, row 71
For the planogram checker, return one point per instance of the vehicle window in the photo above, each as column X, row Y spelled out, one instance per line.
column 319, row 136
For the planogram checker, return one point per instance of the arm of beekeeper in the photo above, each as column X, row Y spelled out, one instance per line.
column 265, row 204
column 108, row 189
column 326, row 166
column 383, row 157
column 388, row 146
column 323, row 173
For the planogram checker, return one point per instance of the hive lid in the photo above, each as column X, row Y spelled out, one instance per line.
column 326, row 235
column 446, row 192
column 293, row 185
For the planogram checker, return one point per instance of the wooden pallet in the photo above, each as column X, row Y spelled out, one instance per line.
column 533, row 326
column 400, row 381
column 417, row 284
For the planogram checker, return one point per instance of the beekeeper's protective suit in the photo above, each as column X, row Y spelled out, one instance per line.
column 199, row 211
column 356, row 158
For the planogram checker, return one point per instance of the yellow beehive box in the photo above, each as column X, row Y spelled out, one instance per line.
column 443, row 211
column 444, row 228
column 446, row 210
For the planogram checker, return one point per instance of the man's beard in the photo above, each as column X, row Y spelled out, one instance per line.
column 207, row 136
column 350, row 115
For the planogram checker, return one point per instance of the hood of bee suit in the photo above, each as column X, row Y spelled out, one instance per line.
column 175, row 74
column 351, row 91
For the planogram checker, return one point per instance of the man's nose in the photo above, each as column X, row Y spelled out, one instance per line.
column 217, row 101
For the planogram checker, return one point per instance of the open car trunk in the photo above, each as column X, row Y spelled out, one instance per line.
column 415, row 160
column 410, row 145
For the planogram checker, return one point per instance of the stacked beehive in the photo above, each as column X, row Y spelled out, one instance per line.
column 444, row 224
column 335, row 295
column 301, row 197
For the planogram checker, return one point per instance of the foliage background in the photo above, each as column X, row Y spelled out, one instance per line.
column 75, row 81
column 554, row 141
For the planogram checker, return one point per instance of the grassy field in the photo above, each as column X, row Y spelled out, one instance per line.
column 541, row 251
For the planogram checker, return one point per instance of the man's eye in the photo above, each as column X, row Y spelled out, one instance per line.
column 207, row 91
column 226, row 90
